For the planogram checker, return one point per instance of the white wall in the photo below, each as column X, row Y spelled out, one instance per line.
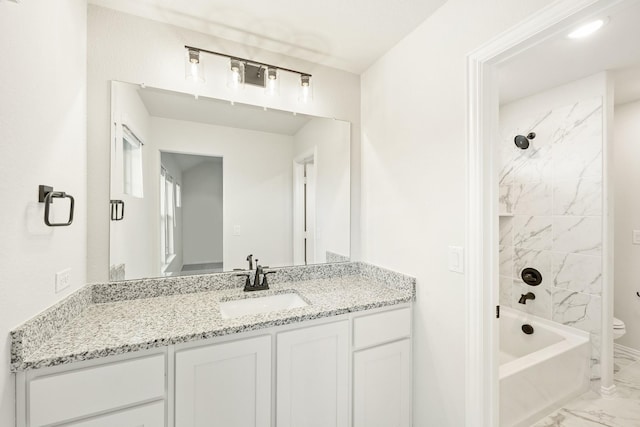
column 331, row 140
column 127, row 48
column 627, row 218
column 43, row 134
column 138, row 255
column 413, row 183
column 257, row 185
column 203, row 210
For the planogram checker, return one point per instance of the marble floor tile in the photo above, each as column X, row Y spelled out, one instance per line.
column 622, row 360
column 591, row 409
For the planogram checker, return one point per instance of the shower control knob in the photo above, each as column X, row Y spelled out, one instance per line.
column 531, row 276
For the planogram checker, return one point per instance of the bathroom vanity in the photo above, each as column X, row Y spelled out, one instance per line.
column 159, row 352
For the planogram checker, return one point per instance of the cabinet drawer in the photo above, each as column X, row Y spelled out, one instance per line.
column 381, row 327
column 59, row 397
column 151, row 415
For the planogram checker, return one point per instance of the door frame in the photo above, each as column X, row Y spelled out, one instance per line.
column 481, row 266
column 298, row 212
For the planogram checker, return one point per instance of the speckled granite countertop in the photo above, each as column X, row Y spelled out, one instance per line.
column 95, row 329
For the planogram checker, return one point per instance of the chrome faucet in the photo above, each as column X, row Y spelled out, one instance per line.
column 250, row 259
column 524, row 297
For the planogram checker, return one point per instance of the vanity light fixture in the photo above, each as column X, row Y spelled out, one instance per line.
column 587, row 29
column 246, row 71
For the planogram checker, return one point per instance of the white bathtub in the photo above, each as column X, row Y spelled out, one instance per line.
column 539, row 372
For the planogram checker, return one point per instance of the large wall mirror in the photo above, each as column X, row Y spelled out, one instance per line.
column 198, row 185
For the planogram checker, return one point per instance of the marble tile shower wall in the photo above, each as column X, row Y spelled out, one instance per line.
column 551, row 205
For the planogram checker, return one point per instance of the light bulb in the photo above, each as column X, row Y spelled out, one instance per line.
column 236, row 74
column 306, row 89
column 194, row 69
column 272, row 82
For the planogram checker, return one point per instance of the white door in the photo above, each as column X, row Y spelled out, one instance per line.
column 151, row 415
column 382, row 386
column 312, row 377
column 225, row 385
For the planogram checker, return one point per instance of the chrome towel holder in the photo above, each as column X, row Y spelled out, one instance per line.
column 46, row 196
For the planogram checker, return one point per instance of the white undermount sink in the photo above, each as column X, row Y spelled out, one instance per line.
column 257, row 305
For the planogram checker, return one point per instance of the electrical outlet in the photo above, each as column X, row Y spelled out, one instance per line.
column 63, row 279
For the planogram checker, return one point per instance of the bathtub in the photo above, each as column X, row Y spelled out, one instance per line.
column 539, row 372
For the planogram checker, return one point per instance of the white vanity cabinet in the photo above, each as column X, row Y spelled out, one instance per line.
column 382, row 369
column 313, row 376
column 347, row 370
column 227, row 384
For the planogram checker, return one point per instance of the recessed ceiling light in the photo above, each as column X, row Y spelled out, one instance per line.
column 587, row 29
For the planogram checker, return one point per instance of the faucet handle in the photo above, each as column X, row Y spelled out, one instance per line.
column 264, row 281
column 247, row 281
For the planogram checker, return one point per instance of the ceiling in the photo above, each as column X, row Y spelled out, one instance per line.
column 345, row 34
column 181, row 106
column 188, row 161
column 560, row 60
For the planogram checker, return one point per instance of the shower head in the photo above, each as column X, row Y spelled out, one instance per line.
column 522, row 141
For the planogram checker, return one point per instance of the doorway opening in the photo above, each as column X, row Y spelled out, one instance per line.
column 484, row 193
column 304, row 209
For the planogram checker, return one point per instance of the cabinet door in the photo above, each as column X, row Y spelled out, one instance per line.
column 382, row 386
column 225, row 385
column 151, row 415
column 312, row 377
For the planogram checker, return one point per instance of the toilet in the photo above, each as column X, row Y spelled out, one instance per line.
column 618, row 328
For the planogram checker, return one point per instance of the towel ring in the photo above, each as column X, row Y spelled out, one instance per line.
column 117, row 210
column 46, row 196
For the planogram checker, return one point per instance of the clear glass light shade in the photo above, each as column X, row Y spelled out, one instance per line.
column 193, row 68
column 306, row 90
column 235, row 79
column 272, row 82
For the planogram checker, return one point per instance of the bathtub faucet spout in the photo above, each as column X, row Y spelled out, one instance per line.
column 524, row 297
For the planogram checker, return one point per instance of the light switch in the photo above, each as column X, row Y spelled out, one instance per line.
column 236, row 230
column 636, row 237
column 456, row 259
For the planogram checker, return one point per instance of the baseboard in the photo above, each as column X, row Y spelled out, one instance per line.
column 626, row 350
column 608, row 392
